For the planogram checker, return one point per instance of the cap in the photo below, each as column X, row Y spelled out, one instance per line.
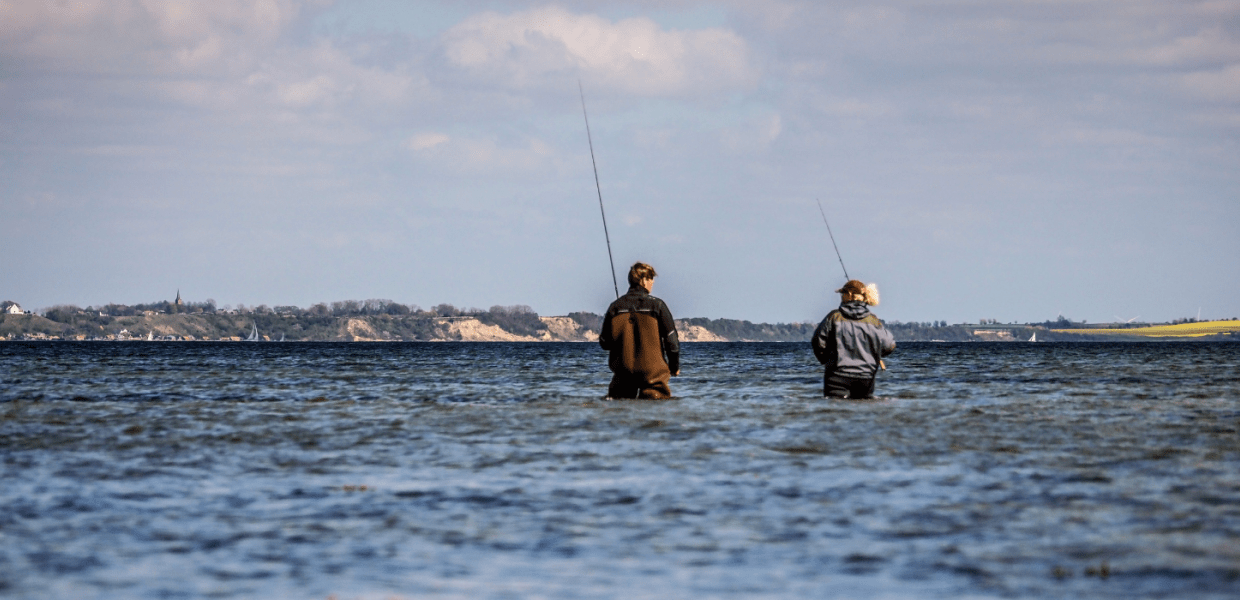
column 852, row 287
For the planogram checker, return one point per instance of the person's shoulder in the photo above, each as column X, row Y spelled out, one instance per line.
column 872, row 319
column 630, row 302
column 658, row 302
column 616, row 305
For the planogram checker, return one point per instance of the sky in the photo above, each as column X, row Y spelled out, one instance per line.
column 1014, row 160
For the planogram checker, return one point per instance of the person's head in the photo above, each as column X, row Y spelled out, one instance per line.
column 855, row 291
column 642, row 274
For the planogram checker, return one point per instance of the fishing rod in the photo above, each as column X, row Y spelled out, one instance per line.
column 837, row 248
column 881, row 365
column 598, row 187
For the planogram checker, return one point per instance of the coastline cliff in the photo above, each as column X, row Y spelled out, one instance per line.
column 383, row 321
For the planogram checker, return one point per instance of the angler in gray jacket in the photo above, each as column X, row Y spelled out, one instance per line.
column 851, row 342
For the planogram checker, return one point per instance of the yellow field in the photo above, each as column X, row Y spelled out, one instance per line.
column 1180, row 330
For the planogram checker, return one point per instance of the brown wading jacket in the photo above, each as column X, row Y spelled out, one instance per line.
column 638, row 330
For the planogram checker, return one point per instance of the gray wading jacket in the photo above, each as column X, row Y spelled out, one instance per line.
column 851, row 340
column 638, row 330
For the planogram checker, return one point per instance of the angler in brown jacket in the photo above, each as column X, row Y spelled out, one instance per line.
column 638, row 329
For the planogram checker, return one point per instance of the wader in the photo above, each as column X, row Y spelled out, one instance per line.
column 838, row 386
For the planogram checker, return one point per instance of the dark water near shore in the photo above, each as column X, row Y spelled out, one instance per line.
column 189, row 470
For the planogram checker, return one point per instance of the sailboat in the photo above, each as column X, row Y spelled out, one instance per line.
column 1034, row 337
column 281, row 337
column 253, row 334
column 150, row 335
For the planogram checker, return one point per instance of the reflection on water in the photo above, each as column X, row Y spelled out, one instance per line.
column 142, row 470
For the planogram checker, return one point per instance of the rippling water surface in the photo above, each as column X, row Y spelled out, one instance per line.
column 188, row 470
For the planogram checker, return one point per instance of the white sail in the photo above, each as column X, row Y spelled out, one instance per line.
column 150, row 335
column 1034, row 337
column 253, row 334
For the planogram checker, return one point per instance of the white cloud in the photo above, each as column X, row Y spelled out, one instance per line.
column 307, row 91
column 1220, row 85
column 326, row 76
column 212, row 54
column 1210, row 44
column 139, row 35
column 466, row 155
column 528, row 49
column 426, row 141
column 854, row 108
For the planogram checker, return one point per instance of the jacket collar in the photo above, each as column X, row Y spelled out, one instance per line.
column 637, row 290
column 854, row 309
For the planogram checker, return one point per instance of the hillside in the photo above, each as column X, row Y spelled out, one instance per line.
column 581, row 327
column 378, row 321
column 235, row 327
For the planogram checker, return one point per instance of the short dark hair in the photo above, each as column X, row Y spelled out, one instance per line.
column 640, row 271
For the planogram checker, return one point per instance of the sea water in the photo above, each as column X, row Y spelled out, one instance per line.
column 495, row 470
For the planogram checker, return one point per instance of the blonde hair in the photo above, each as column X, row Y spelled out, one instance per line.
column 640, row 271
column 871, row 294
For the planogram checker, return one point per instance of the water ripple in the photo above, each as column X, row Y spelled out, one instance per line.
column 183, row 470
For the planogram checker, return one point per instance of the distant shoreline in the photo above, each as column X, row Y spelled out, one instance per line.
column 512, row 325
column 1147, row 340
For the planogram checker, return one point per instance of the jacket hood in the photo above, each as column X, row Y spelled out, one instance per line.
column 854, row 309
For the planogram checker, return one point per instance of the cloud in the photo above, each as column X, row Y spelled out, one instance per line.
column 530, row 49
column 426, row 141
column 474, row 155
column 307, row 91
column 221, row 55
column 1221, row 85
column 140, row 35
column 1210, row 44
column 853, row 108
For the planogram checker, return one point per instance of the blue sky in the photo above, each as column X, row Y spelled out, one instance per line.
column 1006, row 159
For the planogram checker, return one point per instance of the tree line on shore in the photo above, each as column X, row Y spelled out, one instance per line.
column 322, row 321
column 393, row 320
column 385, row 319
